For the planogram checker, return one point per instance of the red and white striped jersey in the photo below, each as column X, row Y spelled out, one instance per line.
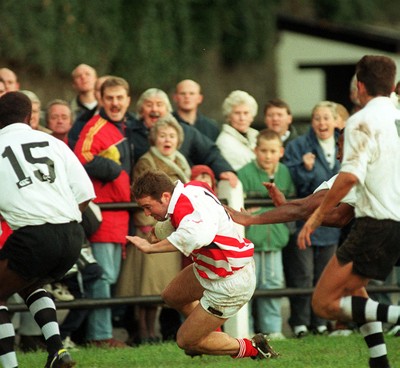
column 205, row 231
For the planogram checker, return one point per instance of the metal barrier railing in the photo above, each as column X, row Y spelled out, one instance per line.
column 156, row 299
column 248, row 202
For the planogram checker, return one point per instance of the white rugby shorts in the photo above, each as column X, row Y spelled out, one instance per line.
column 224, row 297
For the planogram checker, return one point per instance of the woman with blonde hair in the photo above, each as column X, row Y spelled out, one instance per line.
column 311, row 159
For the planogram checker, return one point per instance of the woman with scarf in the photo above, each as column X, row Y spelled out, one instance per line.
column 149, row 274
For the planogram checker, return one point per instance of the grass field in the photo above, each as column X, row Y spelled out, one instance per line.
column 310, row 352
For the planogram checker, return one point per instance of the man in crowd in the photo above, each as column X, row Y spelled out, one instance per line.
column 10, row 79
column 278, row 117
column 106, row 156
column 188, row 98
column 85, row 116
column 36, row 111
column 59, row 119
column 83, row 79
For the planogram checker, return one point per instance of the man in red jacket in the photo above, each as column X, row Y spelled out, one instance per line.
column 105, row 153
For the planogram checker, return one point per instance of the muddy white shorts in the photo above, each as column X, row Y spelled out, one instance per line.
column 223, row 298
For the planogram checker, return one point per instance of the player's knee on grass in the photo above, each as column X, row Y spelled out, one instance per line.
column 183, row 343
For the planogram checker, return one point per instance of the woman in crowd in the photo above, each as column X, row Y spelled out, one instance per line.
column 149, row 274
column 237, row 139
column 311, row 159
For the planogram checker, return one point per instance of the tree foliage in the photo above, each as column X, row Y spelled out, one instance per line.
column 247, row 30
column 152, row 41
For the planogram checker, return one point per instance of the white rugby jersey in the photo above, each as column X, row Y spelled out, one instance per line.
column 372, row 154
column 205, row 231
column 42, row 180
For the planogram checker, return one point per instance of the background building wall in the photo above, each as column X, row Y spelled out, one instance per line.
column 303, row 88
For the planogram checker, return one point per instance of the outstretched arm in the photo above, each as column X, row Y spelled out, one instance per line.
column 298, row 209
column 143, row 245
column 342, row 185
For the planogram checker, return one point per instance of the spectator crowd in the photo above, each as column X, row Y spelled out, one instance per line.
column 115, row 143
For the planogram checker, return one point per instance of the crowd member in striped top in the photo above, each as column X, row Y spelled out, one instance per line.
column 222, row 277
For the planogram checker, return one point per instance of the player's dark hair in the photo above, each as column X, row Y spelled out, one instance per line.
column 377, row 73
column 152, row 183
column 15, row 107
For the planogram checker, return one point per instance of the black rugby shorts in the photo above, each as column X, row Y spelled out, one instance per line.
column 43, row 252
column 373, row 246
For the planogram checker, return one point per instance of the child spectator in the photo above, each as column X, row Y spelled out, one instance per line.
column 204, row 173
column 268, row 239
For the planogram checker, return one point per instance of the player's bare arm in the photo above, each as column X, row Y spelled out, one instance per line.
column 339, row 216
column 83, row 206
column 278, row 198
column 246, row 218
column 341, row 186
column 143, row 245
column 242, row 217
column 298, row 209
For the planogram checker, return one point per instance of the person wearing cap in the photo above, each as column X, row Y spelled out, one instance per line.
column 205, row 174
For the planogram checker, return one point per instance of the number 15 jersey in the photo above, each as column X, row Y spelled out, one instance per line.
column 42, row 181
